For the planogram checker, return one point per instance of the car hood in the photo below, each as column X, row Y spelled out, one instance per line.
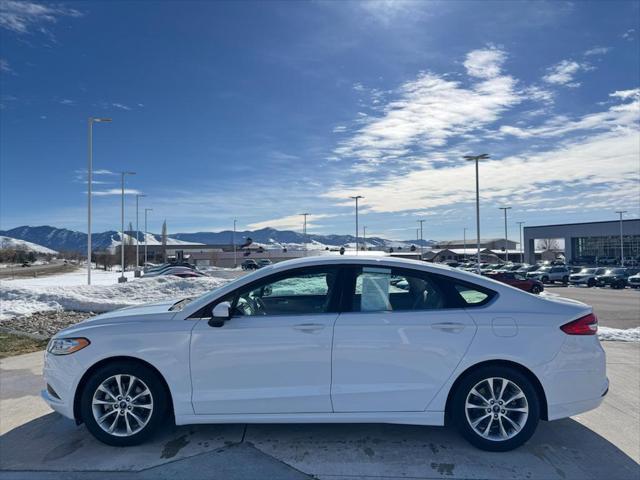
column 155, row 310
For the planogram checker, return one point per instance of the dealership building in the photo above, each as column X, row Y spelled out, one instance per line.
column 589, row 242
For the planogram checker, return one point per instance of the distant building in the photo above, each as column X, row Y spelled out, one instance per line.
column 470, row 244
column 589, row 242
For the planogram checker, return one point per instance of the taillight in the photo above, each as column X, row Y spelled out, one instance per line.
column 587, row 325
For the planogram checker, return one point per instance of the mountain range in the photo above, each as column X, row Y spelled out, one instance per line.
column 62, row 239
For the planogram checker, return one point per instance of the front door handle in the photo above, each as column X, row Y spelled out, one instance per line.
column 454, row 327
column 309, row 327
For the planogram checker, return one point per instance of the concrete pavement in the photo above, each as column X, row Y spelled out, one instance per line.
column 36, row 443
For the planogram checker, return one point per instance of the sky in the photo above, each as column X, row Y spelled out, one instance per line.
column 260, row 111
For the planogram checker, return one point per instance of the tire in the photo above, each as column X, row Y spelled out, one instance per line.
column 536, row 290
column 544, row 279
column 591, row 283
column 124, row 370
column 495, row 441
column 565, row 280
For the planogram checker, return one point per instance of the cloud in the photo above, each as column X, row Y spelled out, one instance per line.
column 629, row 34
column 597, row 51
column 626, row 94
column 24, row 16
column 121, row 106
column 624, row 115
column 485, row 63
column 564, row 72
column 4, row 66
column 573, row 166
column 291, row 222
column 116, row 191
column 428, row 111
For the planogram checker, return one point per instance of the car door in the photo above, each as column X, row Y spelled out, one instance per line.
column 401, row 336
column 274, row 354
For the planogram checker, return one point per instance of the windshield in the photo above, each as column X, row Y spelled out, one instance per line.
column 615, row 271
column 544, row 269
column 588, row 270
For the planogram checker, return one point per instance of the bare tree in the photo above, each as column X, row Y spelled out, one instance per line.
column 548, row 244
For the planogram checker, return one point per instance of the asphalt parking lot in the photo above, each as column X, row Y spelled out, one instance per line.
column 614, row 308
column 36, row 443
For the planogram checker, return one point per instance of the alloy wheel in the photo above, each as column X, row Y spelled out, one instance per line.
column 122, row 405
column 496, row 409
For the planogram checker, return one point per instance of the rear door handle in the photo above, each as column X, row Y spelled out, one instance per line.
column 309, row 327
column 454, row 327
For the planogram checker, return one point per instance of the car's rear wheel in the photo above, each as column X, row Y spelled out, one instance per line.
column 565, row 280
column 591, row 283
column 536, row 289
column 123, row 403
column 545, row 279
column 496, row 408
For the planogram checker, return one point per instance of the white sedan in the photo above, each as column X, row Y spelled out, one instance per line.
column 334, row 339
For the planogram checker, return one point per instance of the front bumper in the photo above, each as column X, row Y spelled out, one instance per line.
column 62, row 373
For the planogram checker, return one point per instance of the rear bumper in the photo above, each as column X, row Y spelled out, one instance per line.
column 570, row 409
column 575, row 381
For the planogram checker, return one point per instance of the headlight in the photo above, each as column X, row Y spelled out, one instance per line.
column 65, row 346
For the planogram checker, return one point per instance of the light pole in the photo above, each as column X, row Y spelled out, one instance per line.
column 421, row 239
column 145, row 235
column 356, row 198
column 122, row 278
column 506, row 243
column 235, row 257
column 91, row 121
column 521, row 245
column 464, row 242
column 620, row 212
column 137, row 271
column 476, row 158
column 304, row 232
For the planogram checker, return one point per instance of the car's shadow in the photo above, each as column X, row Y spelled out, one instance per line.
column 564, row 449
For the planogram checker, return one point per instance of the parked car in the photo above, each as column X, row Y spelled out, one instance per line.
column 519, row 281
column 634, row 281
column 550, row 274
column 439, row 345
column 586, row 276
column 249, row 264
column 613, row 277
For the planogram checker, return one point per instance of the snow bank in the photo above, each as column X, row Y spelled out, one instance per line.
column 619, row 334
column 20, row 300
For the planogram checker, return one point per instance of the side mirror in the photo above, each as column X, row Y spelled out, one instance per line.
column 220, row 314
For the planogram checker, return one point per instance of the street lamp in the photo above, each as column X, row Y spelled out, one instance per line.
column 235, row 258
column 477, row 158
column 145, row 235
column 304, row 232
column 421, row 239
column 506, row 243
column 137, row 271
column 356, row 198
column 464, row 242
column 122, row 278
column 521, row 245
column 620, row 212
column 91, row 121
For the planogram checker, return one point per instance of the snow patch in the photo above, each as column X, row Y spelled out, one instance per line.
column 23, row 300
column 619, row 334
column 14, row 243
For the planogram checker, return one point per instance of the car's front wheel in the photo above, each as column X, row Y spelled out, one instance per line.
column 536, row 289
column 123, row 403
column 496, row 408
